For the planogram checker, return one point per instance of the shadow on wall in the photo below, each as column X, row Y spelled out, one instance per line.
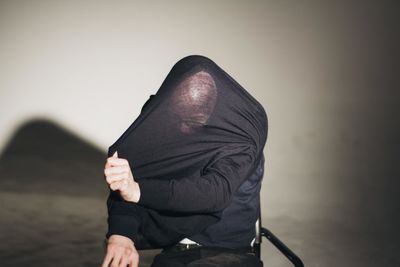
column 43, row 158
column 53, row 198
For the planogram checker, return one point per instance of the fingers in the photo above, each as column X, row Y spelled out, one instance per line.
column 116, row 259
column 112, row 161
column 114, row 173
column 117, row 173
column 120, row 260
column 107, row 259
column 130, row 258
column 117, row 161
column 124, row 260
column 116, row 178
column 121, row 252
column 112, row 259
column 116, row 170
column 119, row 185
column 134, row 260
column 115, row 155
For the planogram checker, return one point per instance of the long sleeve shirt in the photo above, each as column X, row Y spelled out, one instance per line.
column 231, row 224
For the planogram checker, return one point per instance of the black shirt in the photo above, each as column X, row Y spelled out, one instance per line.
column 237, row 225
column 194, row 145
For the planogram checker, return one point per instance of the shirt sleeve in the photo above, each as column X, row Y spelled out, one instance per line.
column 208, row 193
column 123, row 217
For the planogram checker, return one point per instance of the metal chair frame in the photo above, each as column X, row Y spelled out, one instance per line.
column 287, row 252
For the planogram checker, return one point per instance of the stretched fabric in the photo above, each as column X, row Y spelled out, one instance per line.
column 194, row 143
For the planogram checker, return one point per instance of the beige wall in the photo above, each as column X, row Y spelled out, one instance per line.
column 322, row 71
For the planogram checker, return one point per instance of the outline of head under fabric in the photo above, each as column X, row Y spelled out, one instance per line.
column 193, row 101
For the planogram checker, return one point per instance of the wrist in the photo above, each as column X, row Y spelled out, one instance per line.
column 135, row 195
column 119, row 239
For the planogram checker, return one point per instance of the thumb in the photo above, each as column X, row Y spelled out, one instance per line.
column 115, row 155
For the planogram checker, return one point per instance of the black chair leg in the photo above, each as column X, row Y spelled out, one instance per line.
column 257, row 250
column 282, row 247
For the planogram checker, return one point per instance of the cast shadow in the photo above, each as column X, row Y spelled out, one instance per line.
column 52, row 194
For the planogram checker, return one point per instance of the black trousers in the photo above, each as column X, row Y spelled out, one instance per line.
column 206, row 257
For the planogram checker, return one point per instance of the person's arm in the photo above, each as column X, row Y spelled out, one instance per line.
column 123, row 217
column 123, row 220
column 208, row 193
column 123, row 224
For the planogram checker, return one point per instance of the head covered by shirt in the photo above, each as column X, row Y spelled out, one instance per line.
column 194, row 143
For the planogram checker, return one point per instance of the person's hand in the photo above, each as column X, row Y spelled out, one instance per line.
column 119, row 177
column 121, row 252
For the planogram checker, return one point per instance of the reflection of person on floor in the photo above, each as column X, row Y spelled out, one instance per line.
column 188, row 172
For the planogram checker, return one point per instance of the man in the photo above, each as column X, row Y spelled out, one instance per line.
column 186, row 174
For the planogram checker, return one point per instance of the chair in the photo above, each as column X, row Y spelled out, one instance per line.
column 264, row 232
column 261, row 232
